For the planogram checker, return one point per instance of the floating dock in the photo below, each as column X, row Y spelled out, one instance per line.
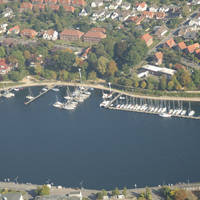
column 38, row 96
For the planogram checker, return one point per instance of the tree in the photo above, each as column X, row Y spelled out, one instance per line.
column 115, row 192
column 63, row 75
column 143, row 84
column 184, row 77
column 163, row 83
column 124, row 192
column 15, row 76
column 102, row 65
column 92, row 60
column 196, row 78
column 92, row 75
column 44, row 190
column 112, row 68
column 2, row 52
column 170, row 85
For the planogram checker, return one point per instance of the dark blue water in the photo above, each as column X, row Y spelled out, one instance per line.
column 102, row 148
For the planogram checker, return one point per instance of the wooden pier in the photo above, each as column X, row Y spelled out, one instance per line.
column 114, row 99
column 39, row 95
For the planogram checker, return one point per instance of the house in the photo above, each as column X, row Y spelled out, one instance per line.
column 28, row 33
column 94, row 36
column 191, row 48
column 71, row 35
column 83, row 13
column 126, row 6
column 79, row 2
column 8, row 12
column 170, row 43
column 181, row 45
column 148, row 39
column 153, row 8
column 113, row 6
column 76, row 194
column 119, row 2
column 50, row 35
column 14, row 30
column 3, row 28
column 124, row 16
column 4, row 69
column 108, row 14
column 114, row 15
column 194, row 22
column 97, row 3
column 26, row 6
column 141, row 6
column 64, row 2
column 54, row 7
column 38, row 6
column 160, row 15
column 197, row 51
column 148, row 14
column 37, row 1
column 161, row 31
column 85, row 53
column 159, row 57
column 98, row 29
column 11, row 196
column 50, row 1
column 69, row 8
column 158, row 71
column 164, row 9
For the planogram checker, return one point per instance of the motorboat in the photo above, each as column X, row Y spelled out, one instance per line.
column 165, row 115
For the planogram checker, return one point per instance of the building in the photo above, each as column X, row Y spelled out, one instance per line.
column 141, row 6
column 64, row 2
column 148, row 39
column 170, row 43
column 37, row 1
column 4, row 69
column 159, row 57
column 83, row 13
column 79, row 2
column 26, row 6
column 71, row 35
column 148, row 14
column 159, row 71
column 54, row 7
column 8, row 12
column 14, row 30
column 69, row 8
column 182, row 45
column 191, row 48
column 38, row 6
column 50, row 35
column 161, row 31
column 28, row 33
column 97, row 3
column 76, row 194
column 126, row 6
column 11, row 196
column 94, row 36
column 160, row 15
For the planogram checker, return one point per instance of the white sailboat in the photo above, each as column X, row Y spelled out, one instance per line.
column 29, row 96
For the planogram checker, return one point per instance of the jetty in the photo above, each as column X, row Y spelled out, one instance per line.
column 39, row 95
column 113, row 100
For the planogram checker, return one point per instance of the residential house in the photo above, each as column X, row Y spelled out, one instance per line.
column 148, row 14
column 38, row 6
column 181, row 45
column 97, row 3
column 124, row 16
column 193, row 47
column 113, row 6
column 75, row 194
column 85, row 53
column 170, row 43
column 114, row 15
column 64, row 2
column 148, row 39
column 83, row 13
column 51, row 1
column 98, row 14
column 108, row 14
column 196, row 2
column 14, row 30
column 54, row 7
column 126, row 6
column 153, row 8
column 79, row 2
column 197, row 51
column 28, row 33
column 159, row 57
column 69, row 8
column 3, row 28
column 193, row 22
column 11, row 196
column 37, row 1
column 141, row 7
column 50, row 35
column 8, row 12
column 98, row 29
column 94, row 36
column 71, row 35
column 160, row 15
column 4, row 69
column 26, row 6
column 119, row 2
column 137, row 20
column 164, row 9
column 190, row 35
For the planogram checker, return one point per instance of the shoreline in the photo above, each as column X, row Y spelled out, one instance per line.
column 101, row 87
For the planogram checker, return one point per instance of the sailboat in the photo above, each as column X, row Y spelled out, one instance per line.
column 58, row 104
column 68, row 96
column 29, row 96
column 190, row 112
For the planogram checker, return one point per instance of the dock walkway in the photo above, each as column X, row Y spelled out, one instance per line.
column 38, row 96
column 114, row 99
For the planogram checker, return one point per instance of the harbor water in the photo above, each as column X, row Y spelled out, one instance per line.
column 99, row 147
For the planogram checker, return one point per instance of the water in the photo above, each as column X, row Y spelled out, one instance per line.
column 102, row 148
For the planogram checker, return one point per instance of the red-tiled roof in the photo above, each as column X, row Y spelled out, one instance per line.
column 192, row 47
column 14, row 28
column 160, row 15
column 69, row 8
column 170, row 42
column 182, row 45
column 72, row 32
column 51, row 1
column 29, row 32
column 142, row 5
column 79, row 2
column 26, row 5
column 68, row 2
column 92, row 34
column 159, row 55
column 103, row 30
column 39, row 6
column 54, row 7
column 146, row 37
column 197, row 51
column 37, row 1
column 148, row 14
column 3, row 62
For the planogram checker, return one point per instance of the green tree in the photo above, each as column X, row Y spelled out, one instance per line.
column 92, row 75
column 124, row 192
column 2, row 52
column 112, row 68
column 102, row 65
column 170, row 85
column 115, row 192
column 143, row 84
column 43, row 190
column 163, row 83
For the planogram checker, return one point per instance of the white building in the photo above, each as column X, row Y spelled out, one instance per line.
column 193, row 22
column 97, row 3
column 142, row 7
column 114, row 15
column 126, row 6
column 8, row 12
column 83, row 13
column 3, row 28
column 50, row 35
column 77, row 194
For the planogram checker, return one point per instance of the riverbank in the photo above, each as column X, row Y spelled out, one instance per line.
column 102, row 87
